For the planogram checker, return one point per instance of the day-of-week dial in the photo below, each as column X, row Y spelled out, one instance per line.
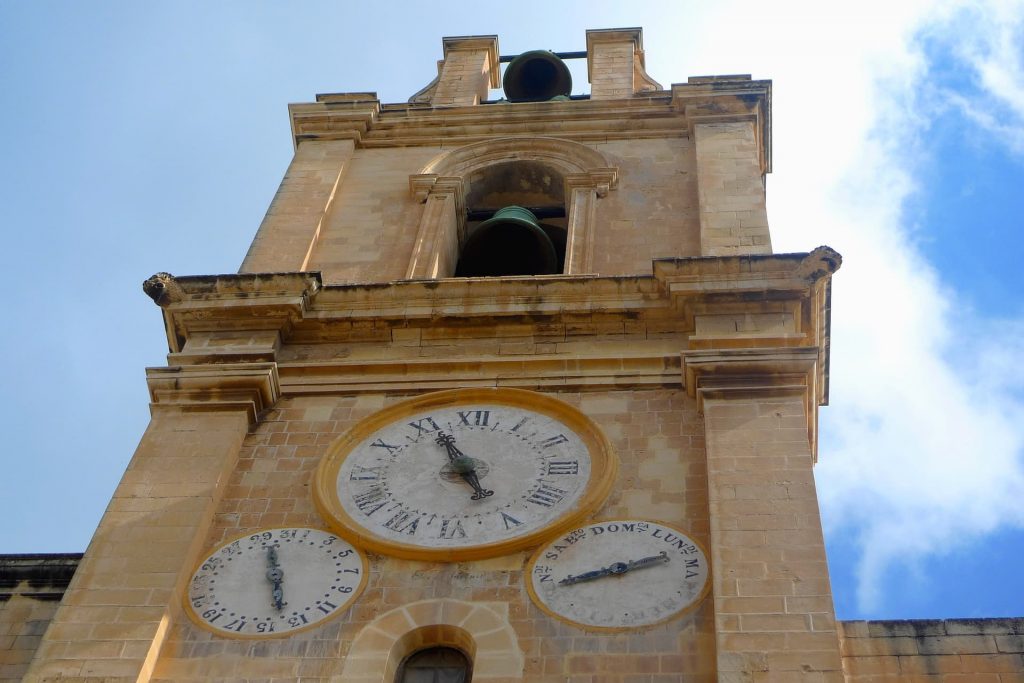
column 456, row 476
column 275, row 581
column 619, row 574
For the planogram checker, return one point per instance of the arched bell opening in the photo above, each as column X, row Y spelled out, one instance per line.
column 516, row 221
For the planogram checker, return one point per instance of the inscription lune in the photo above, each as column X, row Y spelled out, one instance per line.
column 619, row 574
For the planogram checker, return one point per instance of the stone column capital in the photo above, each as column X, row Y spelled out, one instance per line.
column 725, row 374
column 250, row 387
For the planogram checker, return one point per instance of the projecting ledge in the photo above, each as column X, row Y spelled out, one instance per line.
column 756, row 373
column 249, row 387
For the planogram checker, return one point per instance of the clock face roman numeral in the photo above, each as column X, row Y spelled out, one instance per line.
column 476, row 418
column 553, row 441
column 360, row 473
column 563, row 467
column 403, row 522
column 424, row 425
column 370, row 500
column 510, row 521
column 546, row 495
column 451, row 528
column 379, row 443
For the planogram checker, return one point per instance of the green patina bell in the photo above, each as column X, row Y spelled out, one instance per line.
column 535, row 76
column 509, row 243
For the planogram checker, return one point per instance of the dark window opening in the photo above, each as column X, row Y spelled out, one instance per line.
column 435, row 665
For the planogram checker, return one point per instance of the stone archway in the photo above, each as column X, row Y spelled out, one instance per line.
column 443, row 183
column 480, row 630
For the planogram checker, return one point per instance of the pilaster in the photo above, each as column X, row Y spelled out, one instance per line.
column 730, row 186
column 436, row 250
column 290, row 230
column 469, row 70
column 773, row 601
column 128, row 589
column 615, row 64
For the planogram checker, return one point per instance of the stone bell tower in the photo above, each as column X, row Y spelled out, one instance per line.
column 471, row 337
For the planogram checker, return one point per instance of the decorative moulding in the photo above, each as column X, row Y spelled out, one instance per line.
column 745, row 373
column 251, row 387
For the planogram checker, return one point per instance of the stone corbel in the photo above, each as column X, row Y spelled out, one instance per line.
column 250, row 387
column 745, row 373
column 641, row 79
column 426, row 94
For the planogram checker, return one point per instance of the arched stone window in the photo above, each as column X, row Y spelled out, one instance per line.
column 481, row 632
column 435, row 665
column 460, row 187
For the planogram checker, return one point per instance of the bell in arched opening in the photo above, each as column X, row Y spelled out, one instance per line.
column 512, row 242
column 537, row 75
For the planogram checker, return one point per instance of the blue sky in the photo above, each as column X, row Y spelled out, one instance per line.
column 141, row 137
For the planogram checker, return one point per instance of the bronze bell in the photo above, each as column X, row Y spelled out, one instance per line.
column 509, row 243
column 537, row 75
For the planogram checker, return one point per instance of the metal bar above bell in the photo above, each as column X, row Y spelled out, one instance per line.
column 540, row 212
column 505, row 59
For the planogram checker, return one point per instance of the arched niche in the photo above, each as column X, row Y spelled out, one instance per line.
column 479, row 631
column 542, row 168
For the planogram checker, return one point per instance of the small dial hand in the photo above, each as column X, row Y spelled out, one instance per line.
column 615, row 568
column 463, row 465
column 276, row 577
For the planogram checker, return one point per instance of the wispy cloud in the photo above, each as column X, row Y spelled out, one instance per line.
column 925, row 434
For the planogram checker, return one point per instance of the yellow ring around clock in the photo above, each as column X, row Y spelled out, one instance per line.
column 603, row 462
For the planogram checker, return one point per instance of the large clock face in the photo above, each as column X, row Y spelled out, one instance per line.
column 274, row 582
column 465, row 474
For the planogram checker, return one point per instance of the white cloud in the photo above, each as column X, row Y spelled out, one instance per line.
column 989, row 41
column 924, row 437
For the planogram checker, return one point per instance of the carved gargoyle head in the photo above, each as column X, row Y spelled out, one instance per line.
column 162, row 289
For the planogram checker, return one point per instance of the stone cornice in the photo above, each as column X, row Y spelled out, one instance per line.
column 697, row 304
column 721, row 99
column 690, row 286
column 655, row 114
column 249, row 387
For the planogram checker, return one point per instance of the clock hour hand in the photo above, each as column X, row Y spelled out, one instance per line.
column 276, row 577
column 463, row 465
column 616, row 568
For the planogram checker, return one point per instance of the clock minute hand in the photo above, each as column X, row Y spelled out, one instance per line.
column 463, row 465
column 276, row 577
column 616, row 568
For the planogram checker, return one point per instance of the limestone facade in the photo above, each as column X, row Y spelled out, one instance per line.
column 701, row 355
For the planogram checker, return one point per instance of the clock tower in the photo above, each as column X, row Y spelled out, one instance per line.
column 507, row 388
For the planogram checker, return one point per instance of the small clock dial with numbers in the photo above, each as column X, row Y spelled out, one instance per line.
column 465, row 474
column 616, row 575
column 275, row 582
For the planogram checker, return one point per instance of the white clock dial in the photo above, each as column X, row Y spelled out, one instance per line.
column 619, row 574
column 275, row 581
column 454, row 471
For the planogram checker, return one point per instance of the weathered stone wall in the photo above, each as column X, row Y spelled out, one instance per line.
column 659, row 438
column 31, row 587
column 654, row 211
column 933, row 651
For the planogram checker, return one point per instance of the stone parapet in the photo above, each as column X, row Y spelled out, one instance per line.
column 939, row 651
